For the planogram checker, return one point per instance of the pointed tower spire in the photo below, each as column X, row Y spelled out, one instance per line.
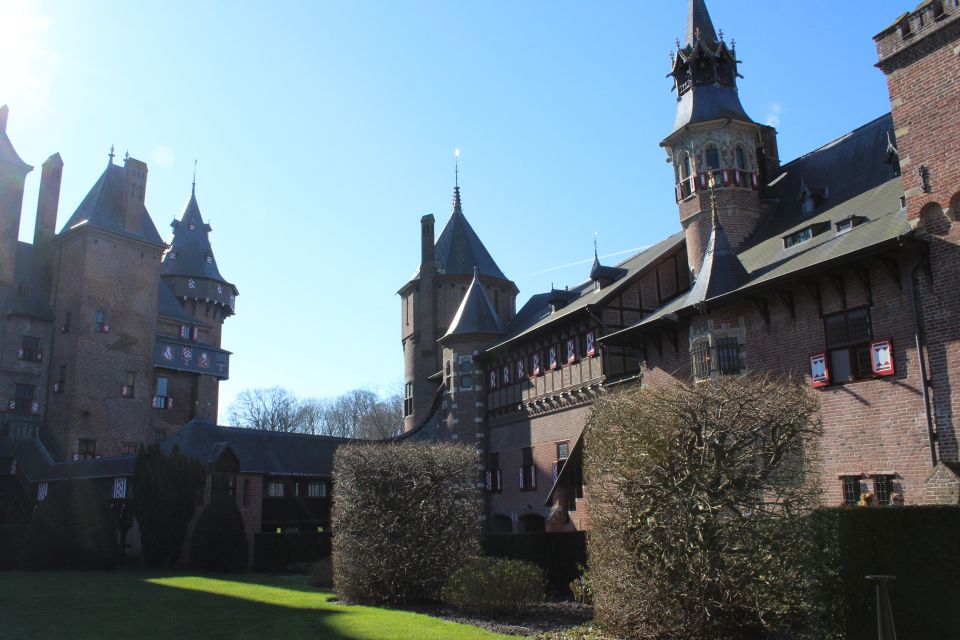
column 699, row 24
column 476, row 314
column 193, row 186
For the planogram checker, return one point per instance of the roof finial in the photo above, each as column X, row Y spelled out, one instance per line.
column 111, row 155
column 714, row 214
column 476, row 271
column 126, row 154
column 595, row 257
column 456, row 167
column 193, row 187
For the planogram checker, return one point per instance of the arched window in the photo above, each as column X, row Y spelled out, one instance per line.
column 741, row 158
column 685, row 184
column 712, row 155
column 532, row 523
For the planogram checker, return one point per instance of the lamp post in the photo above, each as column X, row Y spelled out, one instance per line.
column 885, row 628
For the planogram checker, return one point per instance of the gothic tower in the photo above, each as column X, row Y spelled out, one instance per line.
column 431, row 298
column 104, row 298
column 713, row 136
column 189, row 271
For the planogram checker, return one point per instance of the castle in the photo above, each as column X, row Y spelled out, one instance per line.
column 841, row 265
column 109, row 338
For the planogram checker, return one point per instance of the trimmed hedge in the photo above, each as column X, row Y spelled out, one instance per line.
column 919, row 545
column 557, row 554
column 494, row 586
column 406, row 516
column 219, row 540
column 11, row 541
column 73, row 528
column 276, row 551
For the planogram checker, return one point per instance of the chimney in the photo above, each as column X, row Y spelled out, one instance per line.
column 13, row 172
column 136, row 187
column 768, row 155
column 48, row 201
column 427, row 256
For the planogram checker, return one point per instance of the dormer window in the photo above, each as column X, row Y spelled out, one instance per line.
column 808, row 204
column 192, row 226
column 209, row 259
column 804, row 234
column 846, row 224
column 172, row 256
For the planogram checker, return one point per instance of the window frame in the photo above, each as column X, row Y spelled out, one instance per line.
column 856, row 348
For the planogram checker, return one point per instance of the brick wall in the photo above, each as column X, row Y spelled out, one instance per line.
column 99, row 271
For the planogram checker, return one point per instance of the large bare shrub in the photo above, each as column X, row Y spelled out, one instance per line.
column 405, row 517
column 698, row 502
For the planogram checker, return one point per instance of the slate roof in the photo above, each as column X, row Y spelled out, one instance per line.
column 536, row 313
column 190, row 247
column 698, row 18
column 857, row 180
column 706, row 92
column 706, row 102
column 458, row 248
column 721, row 270
column 102, row 208
column 37, row 465
column 28, row 270
column 259, row 451
column 475, row 314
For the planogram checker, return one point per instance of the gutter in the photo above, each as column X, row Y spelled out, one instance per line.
column 924, row 380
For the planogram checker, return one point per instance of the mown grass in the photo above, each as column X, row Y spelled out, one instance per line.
column 141, row 604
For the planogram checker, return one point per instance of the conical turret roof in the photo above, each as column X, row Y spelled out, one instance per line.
column 705, row 72
column 459, row 250
column 475, row 314
column 103, row 208
column 190, row 253
column 699, row 24
column 721, row 270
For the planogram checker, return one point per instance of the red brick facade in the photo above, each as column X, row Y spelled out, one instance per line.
column 892, row 435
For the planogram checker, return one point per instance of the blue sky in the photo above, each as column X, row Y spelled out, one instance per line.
column 325, row 130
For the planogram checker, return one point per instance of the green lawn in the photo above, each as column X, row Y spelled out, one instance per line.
column 141, row 604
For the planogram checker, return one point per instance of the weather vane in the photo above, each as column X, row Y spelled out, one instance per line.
column 456, row 167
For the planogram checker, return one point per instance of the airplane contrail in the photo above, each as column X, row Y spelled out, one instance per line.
column 579, row 262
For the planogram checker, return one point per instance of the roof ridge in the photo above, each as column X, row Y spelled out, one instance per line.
column 831, row 143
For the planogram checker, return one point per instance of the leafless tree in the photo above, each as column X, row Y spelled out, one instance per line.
column 273, row 409
column 360, row 413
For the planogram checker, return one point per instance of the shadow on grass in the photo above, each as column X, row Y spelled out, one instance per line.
column 142, row 604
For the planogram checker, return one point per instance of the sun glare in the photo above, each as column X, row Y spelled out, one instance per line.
column 24, row 61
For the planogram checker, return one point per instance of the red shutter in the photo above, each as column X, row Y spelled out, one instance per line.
column 755, row 180
column 881, row 357
column 522, row 478
column 533, row 477
column 679, row 193
column 488, row 480
column 726, row 177
column 819, row 371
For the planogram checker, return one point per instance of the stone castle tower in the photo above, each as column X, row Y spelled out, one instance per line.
column 189, row 269
column 713, row 137
column 449, row 266
column 106, row 348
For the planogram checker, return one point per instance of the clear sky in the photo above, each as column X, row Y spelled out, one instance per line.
column 325, row 130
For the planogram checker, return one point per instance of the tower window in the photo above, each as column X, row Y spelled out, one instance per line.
column 86, row 448
column 685, row 184
column 23, row 395
column 408, row 399
column 713, row 157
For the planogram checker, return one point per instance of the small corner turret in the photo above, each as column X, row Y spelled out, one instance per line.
column 713, row 140
column 190, row 270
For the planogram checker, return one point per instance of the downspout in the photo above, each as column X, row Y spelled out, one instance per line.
column 924, row 381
